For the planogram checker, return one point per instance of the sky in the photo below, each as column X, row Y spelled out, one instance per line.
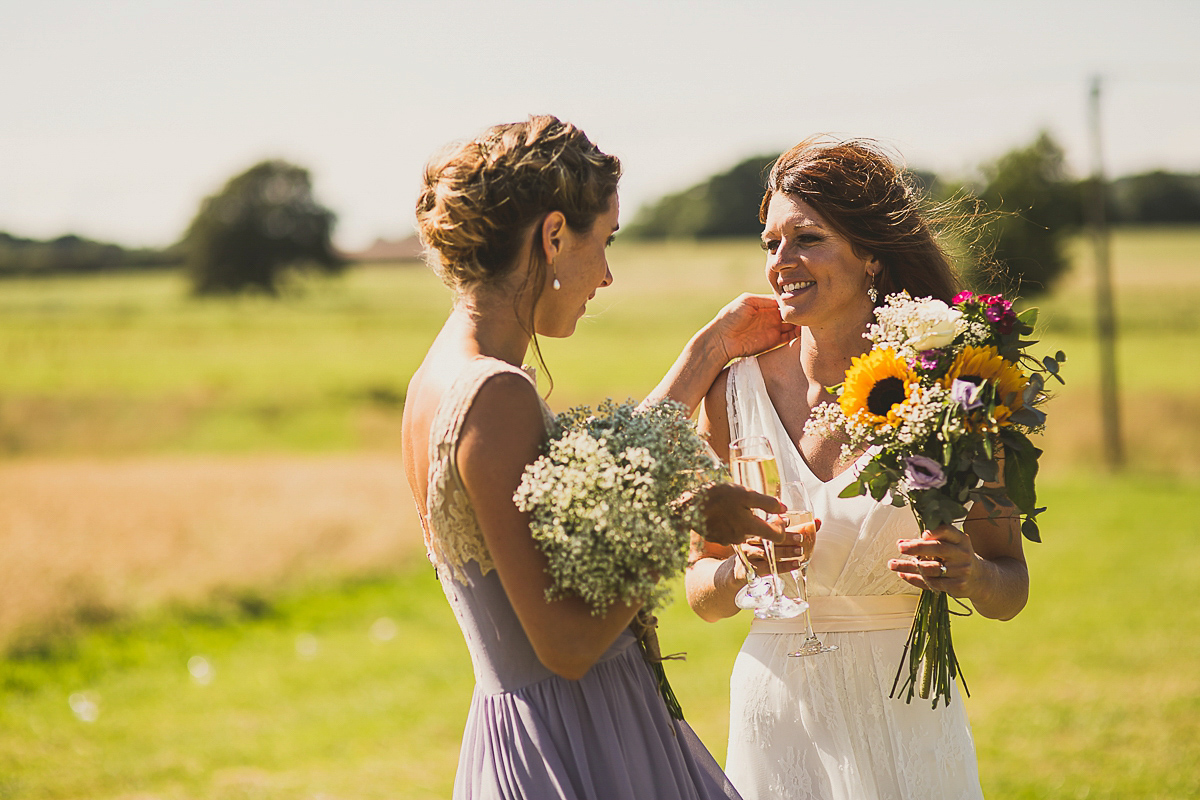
column 119, row 116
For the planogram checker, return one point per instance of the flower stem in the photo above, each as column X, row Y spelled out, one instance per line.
column 932, row 665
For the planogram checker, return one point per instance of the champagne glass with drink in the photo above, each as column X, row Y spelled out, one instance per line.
column 752, row 464
column 800, row 521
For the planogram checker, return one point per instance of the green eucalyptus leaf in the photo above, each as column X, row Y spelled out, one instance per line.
column 1029, row 529
column 1029, row 416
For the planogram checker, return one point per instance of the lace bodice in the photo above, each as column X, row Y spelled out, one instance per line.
column 452, row 535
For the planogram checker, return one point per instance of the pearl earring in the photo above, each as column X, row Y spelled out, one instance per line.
column 872, row 294
column 556, row 284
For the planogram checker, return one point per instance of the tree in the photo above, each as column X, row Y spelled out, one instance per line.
column 1157, row 197
column 263, row 223
column 1034, row 206
column 724, row 205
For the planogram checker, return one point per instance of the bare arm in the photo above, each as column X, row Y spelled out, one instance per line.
column 748, row 325
column 502, row 433
column 714, row 574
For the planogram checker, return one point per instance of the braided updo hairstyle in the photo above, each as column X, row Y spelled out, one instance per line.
column 480, row 198
column 859, row 191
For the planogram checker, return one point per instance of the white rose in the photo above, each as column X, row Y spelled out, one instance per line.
column 936, row 326
column 936, row 335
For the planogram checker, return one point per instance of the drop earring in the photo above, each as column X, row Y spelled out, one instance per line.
column 556, row 285
column 872, row 294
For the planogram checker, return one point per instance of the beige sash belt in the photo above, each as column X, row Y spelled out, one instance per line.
column 839, row 614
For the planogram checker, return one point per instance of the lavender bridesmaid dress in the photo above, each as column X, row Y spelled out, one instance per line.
column 530, row 733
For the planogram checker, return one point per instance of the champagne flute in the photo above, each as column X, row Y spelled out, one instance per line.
column 752, row 464
column 800, row 520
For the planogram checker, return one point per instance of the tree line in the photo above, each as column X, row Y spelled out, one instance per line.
column 75, row 254
column 265, row 224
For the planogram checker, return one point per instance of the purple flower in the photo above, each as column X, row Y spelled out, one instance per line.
column 923, row 473
column 963, row 297
column 966, row 394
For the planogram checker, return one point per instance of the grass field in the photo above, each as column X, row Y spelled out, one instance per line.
column 222, row 472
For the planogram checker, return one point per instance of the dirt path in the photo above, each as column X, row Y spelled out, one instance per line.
column 88, row 537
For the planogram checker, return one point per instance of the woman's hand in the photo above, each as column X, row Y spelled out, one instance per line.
column 790, row 552
column 729, row 515
column 750, row 325
column 942, row 559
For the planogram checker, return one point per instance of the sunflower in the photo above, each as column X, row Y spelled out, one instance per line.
column 875, row 384
column 984, row 365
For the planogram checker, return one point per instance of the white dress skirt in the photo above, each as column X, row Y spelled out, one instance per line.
column 824, row 726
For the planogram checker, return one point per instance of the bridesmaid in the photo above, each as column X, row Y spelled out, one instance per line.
column 517, row 222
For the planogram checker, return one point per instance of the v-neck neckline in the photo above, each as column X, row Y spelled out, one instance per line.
column 854, row 466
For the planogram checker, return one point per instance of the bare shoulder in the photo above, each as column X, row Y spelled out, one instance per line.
column 503, row 428
column 781, row 358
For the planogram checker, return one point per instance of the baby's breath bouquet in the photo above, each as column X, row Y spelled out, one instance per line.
column 607, row 501
column 943, row 392
column 609, row 505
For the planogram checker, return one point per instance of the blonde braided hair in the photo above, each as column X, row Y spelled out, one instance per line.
column 480, row 198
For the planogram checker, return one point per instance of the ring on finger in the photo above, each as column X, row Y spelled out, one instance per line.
column 941, row 570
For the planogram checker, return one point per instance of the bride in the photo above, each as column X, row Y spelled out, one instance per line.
column 517, row 221
column 841, row 229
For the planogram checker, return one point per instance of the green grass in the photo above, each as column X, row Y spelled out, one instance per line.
column 1092, row 692
column 129, row 364
column 360, row 717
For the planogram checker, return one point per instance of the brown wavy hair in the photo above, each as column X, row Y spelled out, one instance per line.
column 861, row 193
column 480, row 198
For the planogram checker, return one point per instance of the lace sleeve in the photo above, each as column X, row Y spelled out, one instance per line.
column 452, row 535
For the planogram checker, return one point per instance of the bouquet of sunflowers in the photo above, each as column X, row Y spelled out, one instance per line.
column 943, row 392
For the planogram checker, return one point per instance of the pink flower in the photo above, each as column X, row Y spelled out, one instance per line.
column 999, row 311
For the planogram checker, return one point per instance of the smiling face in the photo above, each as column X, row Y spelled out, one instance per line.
column 581, row 267
column 815, row 273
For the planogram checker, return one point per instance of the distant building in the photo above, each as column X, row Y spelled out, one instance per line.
column 388, row 250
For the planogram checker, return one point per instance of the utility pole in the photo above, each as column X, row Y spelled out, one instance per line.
column 1106, row 323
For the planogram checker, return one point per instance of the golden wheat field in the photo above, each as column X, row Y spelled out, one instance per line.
column 85, row 539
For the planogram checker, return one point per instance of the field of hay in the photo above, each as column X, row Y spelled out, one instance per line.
column 222, row 478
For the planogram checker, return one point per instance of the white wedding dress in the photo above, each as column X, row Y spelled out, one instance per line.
column 823, row 726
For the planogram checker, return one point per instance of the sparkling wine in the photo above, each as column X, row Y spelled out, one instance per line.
column 796, row 522
column 757, row 473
